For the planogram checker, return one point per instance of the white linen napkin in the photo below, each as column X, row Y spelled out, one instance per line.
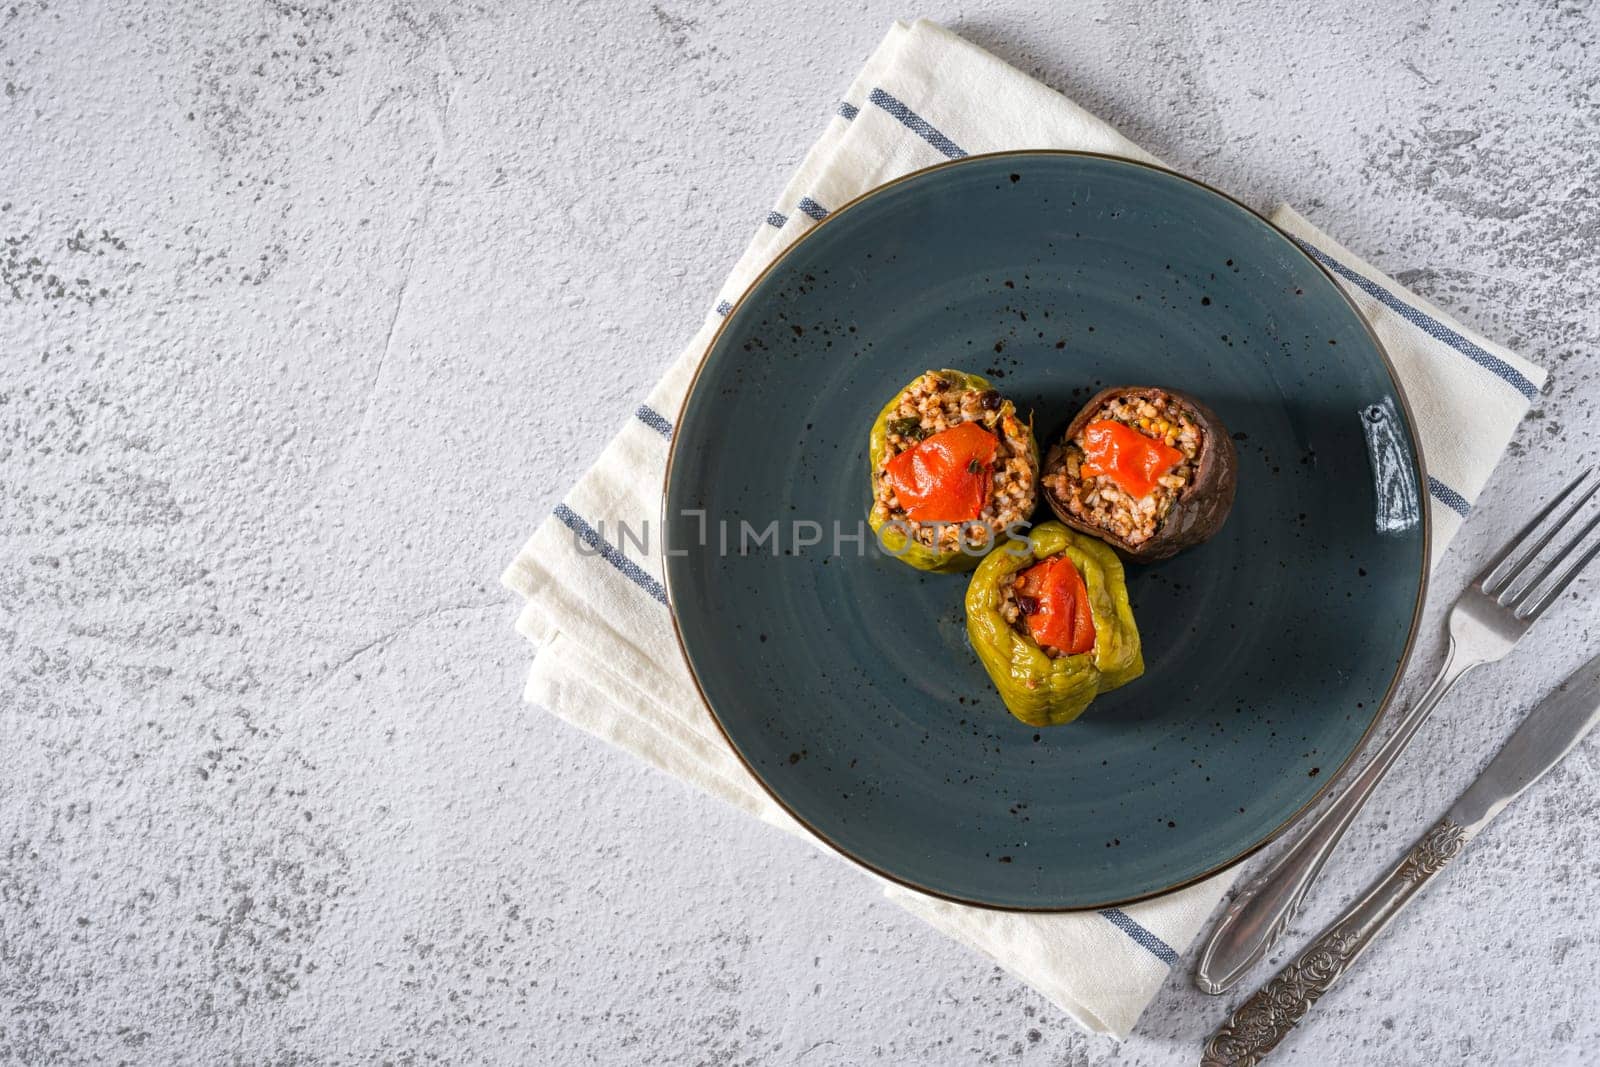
column 607, row 660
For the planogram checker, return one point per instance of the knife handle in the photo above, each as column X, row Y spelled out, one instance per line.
column 1257, row 1026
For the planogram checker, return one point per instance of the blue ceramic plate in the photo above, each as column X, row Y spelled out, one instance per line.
column 844, row 679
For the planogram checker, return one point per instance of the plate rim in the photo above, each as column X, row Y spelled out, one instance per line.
column 1382, row 708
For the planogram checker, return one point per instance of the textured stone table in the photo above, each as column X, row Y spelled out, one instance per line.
column 311, row 310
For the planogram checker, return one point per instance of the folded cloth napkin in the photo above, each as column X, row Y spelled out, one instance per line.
column 607, row 660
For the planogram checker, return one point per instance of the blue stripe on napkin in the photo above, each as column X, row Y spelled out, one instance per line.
column 654, row 419
column 1448, row 497
column 848, row 111
column 723, row 307
column 1424, row 322
column 776, row 220
column 1124, row 922
column 812, row 208
column 916, row 124
column 610, row 553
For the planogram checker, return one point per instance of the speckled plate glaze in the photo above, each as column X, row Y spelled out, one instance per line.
column 845, row 681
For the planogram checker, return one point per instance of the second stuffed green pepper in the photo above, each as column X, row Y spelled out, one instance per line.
column 1049, row 617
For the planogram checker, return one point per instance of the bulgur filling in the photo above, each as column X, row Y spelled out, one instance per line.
column 933, row 404
column 1097, row 497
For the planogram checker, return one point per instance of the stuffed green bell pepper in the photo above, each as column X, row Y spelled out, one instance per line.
column 1049, row 618
column 953, row 470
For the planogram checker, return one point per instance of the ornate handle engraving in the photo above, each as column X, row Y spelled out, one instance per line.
column 1257, row 1025
column 1438, row 847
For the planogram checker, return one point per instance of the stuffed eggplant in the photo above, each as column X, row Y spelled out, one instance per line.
column 953, row 469
column 1149, row 471
column 1049, row 618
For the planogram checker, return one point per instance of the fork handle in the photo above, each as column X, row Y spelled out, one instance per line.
column 1264, row 907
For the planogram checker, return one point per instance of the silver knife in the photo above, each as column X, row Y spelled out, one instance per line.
column 1547, row 734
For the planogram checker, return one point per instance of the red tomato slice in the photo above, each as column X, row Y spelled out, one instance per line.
column 1062, row 619
column 1131, row 460
column 946, row 477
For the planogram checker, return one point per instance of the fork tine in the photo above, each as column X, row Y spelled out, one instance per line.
column 1529, row 612
column 1517, row 596
column 1493, row 584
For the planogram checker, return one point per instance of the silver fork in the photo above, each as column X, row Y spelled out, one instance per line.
column 1485, row 623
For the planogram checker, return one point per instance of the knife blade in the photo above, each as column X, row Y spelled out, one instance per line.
column 1550, row 731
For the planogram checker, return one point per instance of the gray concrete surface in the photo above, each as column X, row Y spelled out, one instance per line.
column 311, row 310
